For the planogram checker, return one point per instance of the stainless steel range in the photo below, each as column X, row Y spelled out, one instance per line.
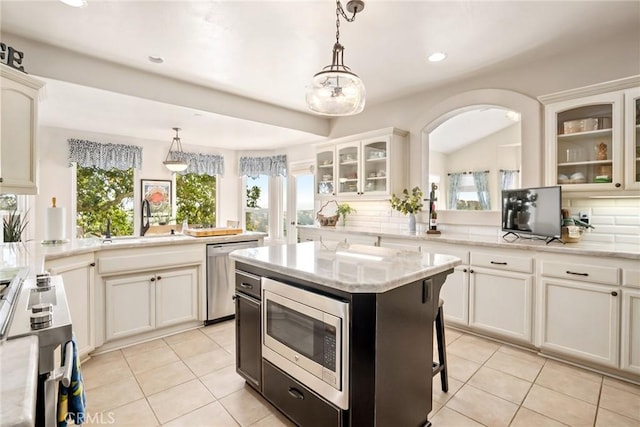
column 41, row 309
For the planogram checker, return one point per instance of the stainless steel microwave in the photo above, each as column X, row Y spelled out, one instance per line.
column 307, row 336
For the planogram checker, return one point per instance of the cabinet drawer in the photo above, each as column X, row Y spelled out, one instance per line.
column 522, row 264
column 248, row 283
column 581, row 272
column 297, row 401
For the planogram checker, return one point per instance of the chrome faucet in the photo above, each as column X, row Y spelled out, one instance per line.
column 145, row 216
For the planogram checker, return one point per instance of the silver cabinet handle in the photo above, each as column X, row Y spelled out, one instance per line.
column 63, row 373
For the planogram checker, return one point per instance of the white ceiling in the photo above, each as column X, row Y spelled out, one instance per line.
column 269, row 50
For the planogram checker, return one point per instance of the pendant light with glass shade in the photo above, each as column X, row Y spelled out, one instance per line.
column 175, row 158
column 336, row 91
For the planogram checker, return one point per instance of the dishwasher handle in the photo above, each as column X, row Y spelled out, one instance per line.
column 225, row 248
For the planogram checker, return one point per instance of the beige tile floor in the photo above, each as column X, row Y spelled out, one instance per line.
column 189, row 379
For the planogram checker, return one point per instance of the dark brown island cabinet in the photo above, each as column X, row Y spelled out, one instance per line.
column 384, row 354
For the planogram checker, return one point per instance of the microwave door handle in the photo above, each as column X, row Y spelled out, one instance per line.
column 63, row 373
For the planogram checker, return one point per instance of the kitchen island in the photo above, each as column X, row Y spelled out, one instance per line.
column 382, row 375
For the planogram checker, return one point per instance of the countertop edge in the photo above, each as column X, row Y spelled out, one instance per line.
column 581, row 248
column 55, row 252
column 350, row 287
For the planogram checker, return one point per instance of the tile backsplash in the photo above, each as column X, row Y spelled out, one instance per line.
column 615, row 220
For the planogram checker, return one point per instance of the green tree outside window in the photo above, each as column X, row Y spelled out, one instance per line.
column 101, row 195
column 196, row 199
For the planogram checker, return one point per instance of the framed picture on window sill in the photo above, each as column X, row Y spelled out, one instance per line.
column 158, row 193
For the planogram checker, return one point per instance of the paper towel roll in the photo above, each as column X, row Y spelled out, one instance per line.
column 56, row 224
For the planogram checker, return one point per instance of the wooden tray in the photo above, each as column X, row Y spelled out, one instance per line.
column 205, row 232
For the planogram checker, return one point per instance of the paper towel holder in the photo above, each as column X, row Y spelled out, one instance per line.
column 50, row 220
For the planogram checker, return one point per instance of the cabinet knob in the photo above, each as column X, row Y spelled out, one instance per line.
column 471, row 271
column 614, row 293
column 618, row 185
column 0, row 179
column 93, row 264
column 153, row 279
column 464, row 270
column 159, row 277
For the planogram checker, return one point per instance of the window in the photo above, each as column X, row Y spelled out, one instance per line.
column 101, row 195
column 509, row 179
column 196, row 199
column 257, row 207
column 304, row 199
column 15, row 215
column 469, row 191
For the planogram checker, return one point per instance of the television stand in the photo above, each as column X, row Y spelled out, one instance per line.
column 551, row 239
column 504, row 236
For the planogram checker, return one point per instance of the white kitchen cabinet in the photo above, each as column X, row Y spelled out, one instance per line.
column 130, row 305
column 632, row 138
column 501, row 294
column 501, row 302
column 630, row 345
column 630, row 336
column 143, row 302
column 367, row 166
column 325, row 171
column 580, row 309
column 455, row 294
column 585, row 137
column 78, row 276
column 176, row 297
column 18, row 131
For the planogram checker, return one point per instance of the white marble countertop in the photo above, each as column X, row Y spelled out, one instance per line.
column 18, row 381
column 33, row 255
column 599, row 249
column 350, row 268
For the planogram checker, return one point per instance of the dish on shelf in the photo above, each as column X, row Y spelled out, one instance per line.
column 327, row 177
column 586, row 124
column 327, row 163
column 563, row 179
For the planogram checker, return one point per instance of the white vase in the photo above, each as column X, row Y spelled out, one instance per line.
column 412, row 223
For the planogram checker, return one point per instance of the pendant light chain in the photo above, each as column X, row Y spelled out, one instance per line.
column 340, row 11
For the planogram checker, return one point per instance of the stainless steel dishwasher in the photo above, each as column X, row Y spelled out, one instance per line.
column 221, row 280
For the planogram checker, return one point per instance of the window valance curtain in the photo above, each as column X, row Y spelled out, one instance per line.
column 201, row 164
column 105, row 156
column 270, row 165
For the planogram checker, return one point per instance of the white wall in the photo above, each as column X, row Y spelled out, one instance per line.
column 57, row 178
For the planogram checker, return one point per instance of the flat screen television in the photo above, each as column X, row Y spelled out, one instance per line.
column 532, row 212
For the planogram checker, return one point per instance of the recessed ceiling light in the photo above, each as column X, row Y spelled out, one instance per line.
column 75, row 3
column 156, row 59
column 437, row 57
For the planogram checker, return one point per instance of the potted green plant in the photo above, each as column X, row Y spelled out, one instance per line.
column 408, row 204
column 14, row 225
column 343, row 210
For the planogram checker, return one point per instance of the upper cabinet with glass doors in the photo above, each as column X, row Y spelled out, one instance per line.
column 632, row 138
column 367, row 166
column 585, row 137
